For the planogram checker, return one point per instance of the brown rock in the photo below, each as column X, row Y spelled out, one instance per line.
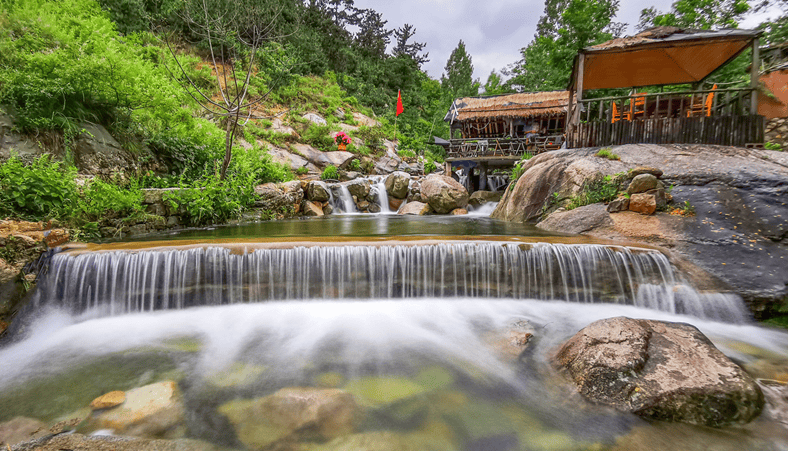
column 310, row 208
column 3, row 327
column 443, row 193
column 459, row 211
column 482, row 197
column 395, row 203
column 107, row 400
column 659, row 370
column 578, row 220
column 642, row 183
column 414, row 208
column 80, row 442
column 323, row 413
column 56, row 237
column 20, row 429
column 644, row 204
column 154, row 410
column 645, row 170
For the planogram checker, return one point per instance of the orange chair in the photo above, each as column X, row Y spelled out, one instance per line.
column 637, row 107
column 703, row 108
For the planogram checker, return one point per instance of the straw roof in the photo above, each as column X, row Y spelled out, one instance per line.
column 522, row 105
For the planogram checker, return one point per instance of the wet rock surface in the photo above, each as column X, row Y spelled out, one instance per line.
column 661, row 371
column 739, row 233
column 443, row 193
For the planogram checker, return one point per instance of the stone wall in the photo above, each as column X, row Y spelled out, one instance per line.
column 777, row 132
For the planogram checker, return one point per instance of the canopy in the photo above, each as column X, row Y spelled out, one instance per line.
column 659, row 56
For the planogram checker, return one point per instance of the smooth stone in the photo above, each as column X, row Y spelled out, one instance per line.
column 111, row 399
column 443, row 193
column 154, row 410
column 645, row 170
column 642, row 183
column 397, row 184
column 414, row 208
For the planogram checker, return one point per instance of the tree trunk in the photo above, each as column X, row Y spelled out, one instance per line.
column 228, row 145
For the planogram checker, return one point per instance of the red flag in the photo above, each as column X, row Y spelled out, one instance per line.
column 400, row 109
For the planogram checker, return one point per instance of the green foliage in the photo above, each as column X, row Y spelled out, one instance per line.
column 703, row 14
column 318, row 136
column 607, row 153
column 355, row 165
column 330, row 173
column 303, row 170
column 372, row 136
column 405, row 153
column 458, row 77
column 687, row 209
column 598, row 189
column 429, row 166
column 42, row 190
column 210, row 200
column 773, row 146
column 102, row 200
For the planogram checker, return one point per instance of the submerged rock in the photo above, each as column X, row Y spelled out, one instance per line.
column 292, row 414
column 111, row 443
column 154, row 410
column 444, row 194
column 659, row 370
column 20, row 429
column 111, row 399
column 414, row 208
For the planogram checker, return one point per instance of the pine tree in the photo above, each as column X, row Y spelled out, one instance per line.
column 458, row 78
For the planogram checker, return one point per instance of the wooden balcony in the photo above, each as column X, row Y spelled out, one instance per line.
column 713, row 116
column 501, row 149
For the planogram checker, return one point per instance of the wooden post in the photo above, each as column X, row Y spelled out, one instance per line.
column 447, row 168
column 754, row 71
column 580, row 70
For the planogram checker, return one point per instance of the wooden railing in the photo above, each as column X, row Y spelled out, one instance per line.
column 503, row 147
column 712, row 116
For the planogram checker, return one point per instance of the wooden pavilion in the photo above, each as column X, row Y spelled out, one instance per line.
column 655, row 58
column 497, row 131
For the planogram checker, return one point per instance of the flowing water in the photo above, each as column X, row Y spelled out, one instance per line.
column 409, row 328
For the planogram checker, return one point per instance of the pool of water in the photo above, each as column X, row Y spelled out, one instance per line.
column 358, row 226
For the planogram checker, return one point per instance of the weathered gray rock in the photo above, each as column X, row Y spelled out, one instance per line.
column 482, row 197
column 339, row 158
column 642, row 183
column 317, row 191
column 620, row 204
column 315, row 118
column 280, row 198
column 325, row 413
column 660, row 197
column 154, row 410
column 278, row 126
column 645, row 204
column 359, row 188
column 387, row 165
column 659, row 370
column 645, row 170
column 444, row 194
column 365, row 120
column 739, row 196
column 291, row 160
column 96, row 152
column 397, row 185
column 578, row 220
column 415, row 208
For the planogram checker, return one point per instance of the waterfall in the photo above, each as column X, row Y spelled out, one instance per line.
column 343, row 202
column 383, row 199
column 127, row 281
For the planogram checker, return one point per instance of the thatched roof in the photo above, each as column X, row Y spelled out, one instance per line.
column 522, row 105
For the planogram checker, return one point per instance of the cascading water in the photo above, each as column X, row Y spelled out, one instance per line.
column 344, row 201
column 122, row 282
column 380, row 193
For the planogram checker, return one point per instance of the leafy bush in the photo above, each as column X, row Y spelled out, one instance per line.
column 102, row 200
column 372, row 136
column 44, row 189
column 598, row 189
column 330, row 173
column 211, row 200
column 606, row 153
column 773, row 146
column 318, row 136
column 429, row 166
column 303, row 170
column 405, row 153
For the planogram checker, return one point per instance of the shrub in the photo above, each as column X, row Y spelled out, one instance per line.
column 773, row 146
column 318, row 136
column 303, row 170
column 102, row 200
column 405, row 153
column 429, row 166
column 598, row 189
column 330, row 173
column 44, row 189
column 211, row 200
column 606, row 153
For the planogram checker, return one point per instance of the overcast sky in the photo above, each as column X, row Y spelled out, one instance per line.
column 494, row 31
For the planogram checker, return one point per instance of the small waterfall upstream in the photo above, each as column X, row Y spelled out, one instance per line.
column 380, row 193
column 121, row 282
column 344, row 201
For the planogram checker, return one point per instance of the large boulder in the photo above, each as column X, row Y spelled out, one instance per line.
column 397, row 184
column 280, row 198
column 289, row 159
column 661, row 371
column 738, row 195
column 482, row 197
column 359, row 188
column 323, row 413
column 578, row 220
column 154, row 410
column 415, row 208
column 317, row 191
column 444, row 194
column 96, row 152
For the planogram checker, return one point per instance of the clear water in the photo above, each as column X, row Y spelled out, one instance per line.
column 115, row 320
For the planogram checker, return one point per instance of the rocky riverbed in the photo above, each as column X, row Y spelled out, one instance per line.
column 739, row 230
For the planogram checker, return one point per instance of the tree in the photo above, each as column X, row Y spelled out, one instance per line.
column 702, row 14
column 566, row 27
column 373, row 37
column 494, row 84
column 411, row 50
column 458, row 78
column 234, row 33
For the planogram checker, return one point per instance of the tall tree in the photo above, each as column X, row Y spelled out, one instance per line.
column 413, row 49
column 458, row 80
column 566, row 27
column 373, row 37
column 703, row 14
column 494, row 84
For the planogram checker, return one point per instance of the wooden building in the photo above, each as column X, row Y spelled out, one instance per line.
column 647, row 62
